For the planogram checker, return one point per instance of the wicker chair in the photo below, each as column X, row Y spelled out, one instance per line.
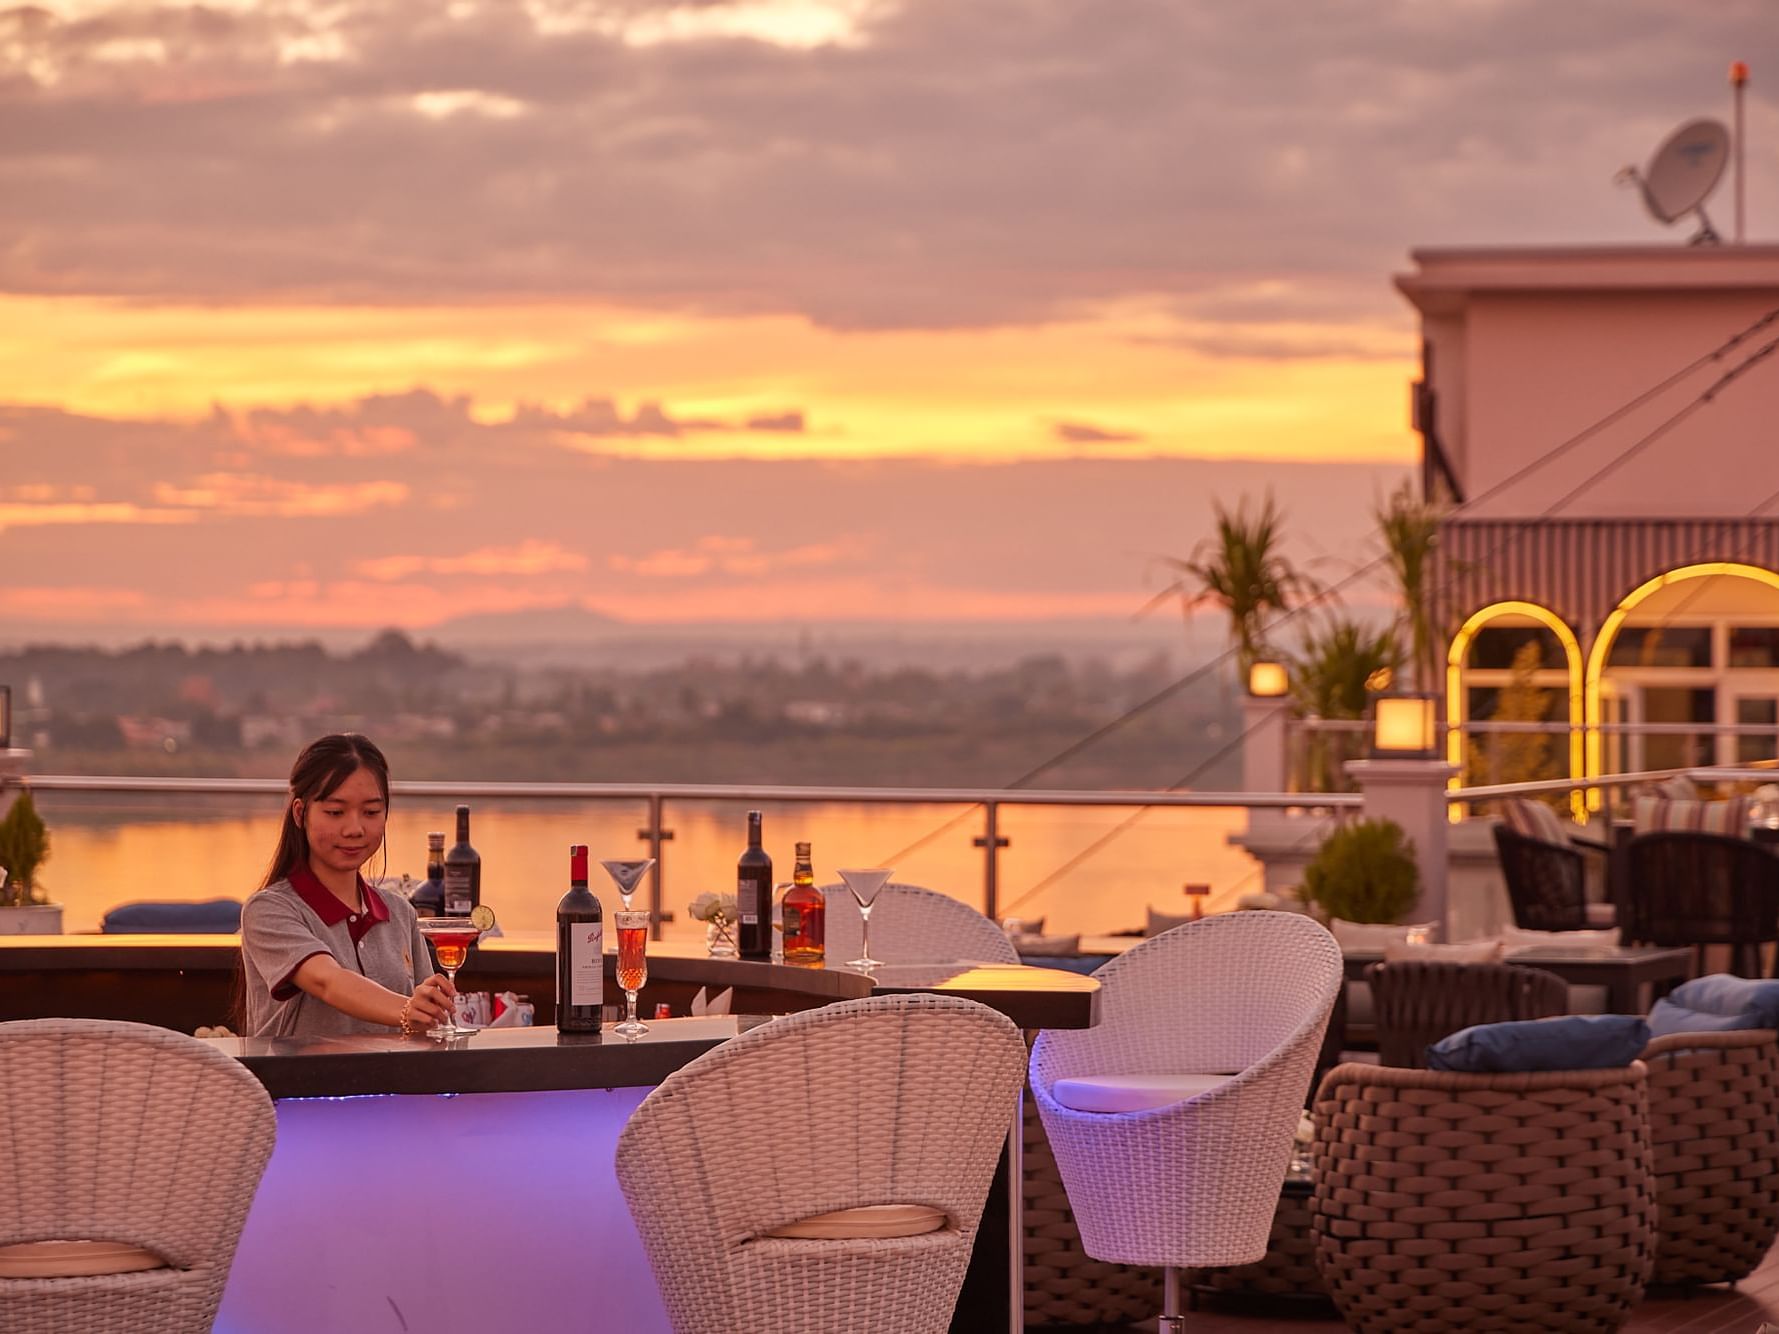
column 1504, row 1202
column 1547, row 883
column 132, row 1154
column 1418, row 1002
column 1239, row 1000
column 1703, row 889
column 910, row 924
column 891, row 1101
column 1711, row 1122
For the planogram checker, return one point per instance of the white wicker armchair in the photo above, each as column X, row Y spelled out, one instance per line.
column 890, row 1101
column 1191, row 1179
column 910, row 924
column 131, row 1156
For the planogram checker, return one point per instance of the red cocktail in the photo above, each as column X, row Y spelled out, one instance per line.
column 633, row 968
column 450, row 938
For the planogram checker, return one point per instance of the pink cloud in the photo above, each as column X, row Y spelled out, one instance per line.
column 527, row 558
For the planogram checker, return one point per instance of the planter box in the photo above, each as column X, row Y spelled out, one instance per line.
column 37, row 919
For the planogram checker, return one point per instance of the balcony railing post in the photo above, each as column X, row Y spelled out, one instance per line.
column 656, row 834
column 991, row 843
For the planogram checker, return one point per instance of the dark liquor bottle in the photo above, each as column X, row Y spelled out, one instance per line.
column 463, row 871
column 805, row 914
column 753, row 895
column 429, row 899
column 580, row 952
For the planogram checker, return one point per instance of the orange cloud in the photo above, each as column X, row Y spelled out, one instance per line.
column 232, row 493
column 355, row 603
column 69, row 604
column 288, row 441
column 30, row 515
column 528, row 558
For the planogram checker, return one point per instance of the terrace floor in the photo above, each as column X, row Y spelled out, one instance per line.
column 1738, row 1310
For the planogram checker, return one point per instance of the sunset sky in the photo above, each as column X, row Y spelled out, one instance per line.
column 352, row 313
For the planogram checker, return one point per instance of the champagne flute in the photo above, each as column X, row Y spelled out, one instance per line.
column 450, row 938
column 633, row 967
column 627, row 875
column 864, row 884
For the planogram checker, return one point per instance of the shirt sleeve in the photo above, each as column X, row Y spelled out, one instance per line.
column 276, row 935
column 423, row 968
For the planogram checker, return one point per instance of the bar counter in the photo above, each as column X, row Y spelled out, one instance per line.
column 187, row 981
column 419, row 1185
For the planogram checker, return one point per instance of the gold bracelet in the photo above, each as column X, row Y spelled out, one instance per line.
column 404, row 1022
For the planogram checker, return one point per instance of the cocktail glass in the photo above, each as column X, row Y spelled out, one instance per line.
column 450, row 938
column 864, row 884
column 627, row 875
column 633, row 967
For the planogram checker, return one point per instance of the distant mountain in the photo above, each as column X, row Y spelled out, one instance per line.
column 564, row 624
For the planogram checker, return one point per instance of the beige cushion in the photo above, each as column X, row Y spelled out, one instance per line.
column 1658, row 814
column 1600, row 914
column 1155, row 923
column 74, row 1259
column 1470, row 951
column 1518, row 938
column 1534, row 819
column 1376, row 935
column 869, row 1220
column 1131, row 1093
column 1047, row 946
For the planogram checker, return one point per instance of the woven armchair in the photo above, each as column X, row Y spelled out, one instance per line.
column 1546, row 882
column 893, row 1100
column 1702, row 889
column 910, row 924
column 1712, row 1100
column 128, row 1134
column 1194, row 1182
column 1418, row 1002
column 1502, row 1202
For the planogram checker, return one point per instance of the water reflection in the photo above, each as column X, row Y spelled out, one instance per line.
column 109, row 850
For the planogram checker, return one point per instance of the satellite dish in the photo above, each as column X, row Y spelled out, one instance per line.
column 1682, row 175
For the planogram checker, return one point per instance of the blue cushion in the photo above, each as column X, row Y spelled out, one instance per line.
column 211, row 917
column 1570, row 1042
column 1753, row 1000
column 1667, row 1018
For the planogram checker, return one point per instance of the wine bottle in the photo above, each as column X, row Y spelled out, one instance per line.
column 805, row 914
column 429, row 898
column 580, row 951
column 753, row 895
column 463, row 871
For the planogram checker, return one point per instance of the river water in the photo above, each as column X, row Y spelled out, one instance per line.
column 108, row 849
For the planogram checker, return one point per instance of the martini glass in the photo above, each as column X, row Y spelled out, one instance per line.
column 450, row 938
column 864, row 885
column 627, row 875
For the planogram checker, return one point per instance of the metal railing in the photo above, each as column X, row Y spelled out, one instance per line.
column 656, row 797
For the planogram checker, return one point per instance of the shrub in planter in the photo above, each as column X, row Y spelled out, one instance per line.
column 24, row 847
column 1364, row 872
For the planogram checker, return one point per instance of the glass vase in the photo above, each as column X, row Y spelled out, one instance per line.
column 719, row 940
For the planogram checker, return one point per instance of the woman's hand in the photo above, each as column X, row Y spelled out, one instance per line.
column 433, row 1001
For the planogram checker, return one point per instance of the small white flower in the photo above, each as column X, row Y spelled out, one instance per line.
column 703, row 908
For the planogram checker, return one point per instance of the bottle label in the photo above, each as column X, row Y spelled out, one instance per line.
column 793, row 921
column 586, row 963
column 747, row 901
column 458, row 899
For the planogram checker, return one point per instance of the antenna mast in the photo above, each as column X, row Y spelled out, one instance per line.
column 1739, row 84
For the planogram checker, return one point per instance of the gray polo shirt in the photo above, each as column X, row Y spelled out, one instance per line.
column 281, row 927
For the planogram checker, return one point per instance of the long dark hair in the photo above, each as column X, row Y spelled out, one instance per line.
column 318, row 772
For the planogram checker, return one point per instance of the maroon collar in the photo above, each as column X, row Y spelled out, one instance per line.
column 329, row 908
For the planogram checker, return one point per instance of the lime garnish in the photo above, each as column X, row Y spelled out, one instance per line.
column 482, row 917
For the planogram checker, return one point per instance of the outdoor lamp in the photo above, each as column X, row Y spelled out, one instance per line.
column 1197, row 893
column 1267, row 680
column 1405, row 727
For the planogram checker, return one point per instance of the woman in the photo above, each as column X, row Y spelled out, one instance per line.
column 324, row 952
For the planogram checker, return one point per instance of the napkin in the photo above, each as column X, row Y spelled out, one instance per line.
column 720, row 1005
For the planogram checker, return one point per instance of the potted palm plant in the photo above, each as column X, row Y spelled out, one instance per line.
column 24, row 847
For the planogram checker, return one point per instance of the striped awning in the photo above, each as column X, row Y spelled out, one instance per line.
column 1580, row 568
